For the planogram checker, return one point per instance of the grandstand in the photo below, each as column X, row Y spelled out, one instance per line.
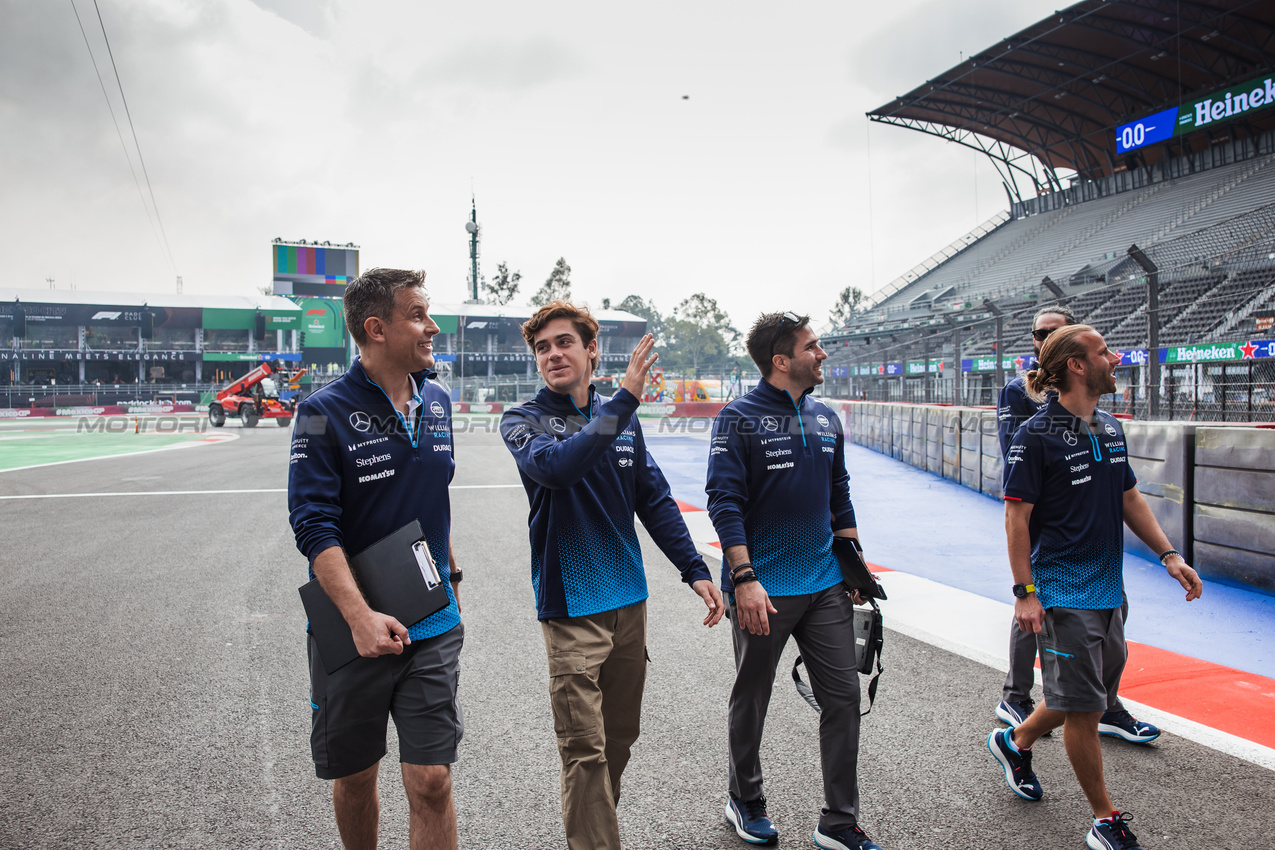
column 1060, row 102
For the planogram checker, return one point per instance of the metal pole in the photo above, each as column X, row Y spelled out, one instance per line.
column 1153, row 329
column 473, row 249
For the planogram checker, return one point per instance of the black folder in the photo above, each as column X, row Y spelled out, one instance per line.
column 855, row 574
column 391, row 574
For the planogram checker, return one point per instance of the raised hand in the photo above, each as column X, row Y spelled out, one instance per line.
column 640, row 363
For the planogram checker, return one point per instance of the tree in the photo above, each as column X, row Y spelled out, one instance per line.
column 503, row 289
column 646, row 309
column 557, row 287
column 849, row 302
column 699, row 331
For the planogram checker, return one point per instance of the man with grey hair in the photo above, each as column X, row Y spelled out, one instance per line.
column 1015, row 407
column 371, row 452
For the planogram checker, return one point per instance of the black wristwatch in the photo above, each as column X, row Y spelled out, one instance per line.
column 1021, row 590
column 456, row 576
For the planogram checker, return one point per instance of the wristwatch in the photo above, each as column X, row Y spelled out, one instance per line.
column 456, row 576
column 1021, row 590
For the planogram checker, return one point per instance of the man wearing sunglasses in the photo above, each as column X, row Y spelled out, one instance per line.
column 1014, row 408
column 778, row 492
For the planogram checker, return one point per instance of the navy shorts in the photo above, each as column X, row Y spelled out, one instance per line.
column 352, row 706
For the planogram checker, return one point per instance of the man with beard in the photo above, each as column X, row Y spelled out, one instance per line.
column 1014, row 408
column 778, row 492
column 1068, row 492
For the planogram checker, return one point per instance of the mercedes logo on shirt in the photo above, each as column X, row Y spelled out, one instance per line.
column 360, row 421
column 770, row 423
column 1070, row 438
column 557, row 424
column 437, row 409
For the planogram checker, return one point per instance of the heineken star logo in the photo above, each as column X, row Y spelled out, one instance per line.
column 1249, row 350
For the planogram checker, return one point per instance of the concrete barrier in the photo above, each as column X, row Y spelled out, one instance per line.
column 971, row 450
column 1233, row 521
column 1161, row 456
column 951, row 443
column 934, row 440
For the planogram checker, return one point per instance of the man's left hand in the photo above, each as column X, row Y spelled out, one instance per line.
column 712, row 598
column 1186, row 576
column 456, row 593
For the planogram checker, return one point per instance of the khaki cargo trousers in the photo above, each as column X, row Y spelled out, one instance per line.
column 597, row 672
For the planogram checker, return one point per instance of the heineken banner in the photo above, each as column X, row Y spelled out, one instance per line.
column 1204, row 353
column 1210, row 352
column 918, row 367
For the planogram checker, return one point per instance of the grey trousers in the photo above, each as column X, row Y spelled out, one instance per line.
column 1022, row 665
column 822, row 625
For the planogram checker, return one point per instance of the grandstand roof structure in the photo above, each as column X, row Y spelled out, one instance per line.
column 1052, row 96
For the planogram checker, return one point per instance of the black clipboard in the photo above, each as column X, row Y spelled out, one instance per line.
column 855, row 574
column 397, row 576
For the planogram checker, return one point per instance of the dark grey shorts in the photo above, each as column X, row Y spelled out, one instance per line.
column 1082, row 655
column 351, row 707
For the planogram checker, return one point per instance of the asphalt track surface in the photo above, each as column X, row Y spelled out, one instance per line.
column 154, row 692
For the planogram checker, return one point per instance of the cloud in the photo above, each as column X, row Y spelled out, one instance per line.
column 314, row 16
column 504, row 65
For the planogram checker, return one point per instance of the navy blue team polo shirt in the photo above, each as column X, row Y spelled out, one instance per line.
column 777, row 483
column 359, row 470
column 1076, row 480
column 1013, row 408
column 586, row 473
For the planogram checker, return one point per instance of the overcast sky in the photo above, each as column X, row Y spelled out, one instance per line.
column 662, row 148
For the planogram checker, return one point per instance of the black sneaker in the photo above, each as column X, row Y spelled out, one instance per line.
column 1122, row 724
column 751, row 821
column 1018, row 765
column 1012, row 712
column 1113, row 834
column 848, row 838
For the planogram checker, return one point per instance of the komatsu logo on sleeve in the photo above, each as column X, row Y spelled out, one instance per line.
column 376, row 476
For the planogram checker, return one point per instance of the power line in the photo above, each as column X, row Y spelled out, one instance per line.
column 136, row 143
column 118, row 132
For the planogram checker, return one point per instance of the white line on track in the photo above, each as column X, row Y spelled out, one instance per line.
column 213, row 438
column 212, row 492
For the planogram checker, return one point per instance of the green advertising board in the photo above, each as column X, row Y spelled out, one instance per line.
column 1203, row 353
column 322, row 322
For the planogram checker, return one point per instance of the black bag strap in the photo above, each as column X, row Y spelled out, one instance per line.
column 878, row 641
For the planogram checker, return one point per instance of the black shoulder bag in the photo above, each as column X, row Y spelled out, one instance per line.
column 869, row 636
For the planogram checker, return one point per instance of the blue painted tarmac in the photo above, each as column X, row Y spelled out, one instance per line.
column 919, row 523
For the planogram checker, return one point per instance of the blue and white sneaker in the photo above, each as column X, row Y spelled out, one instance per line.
column 1113, row 833
column 1013, row 713
column 1122, row 724
column 751, row 821
column 1017, row 765
column 848, row 838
